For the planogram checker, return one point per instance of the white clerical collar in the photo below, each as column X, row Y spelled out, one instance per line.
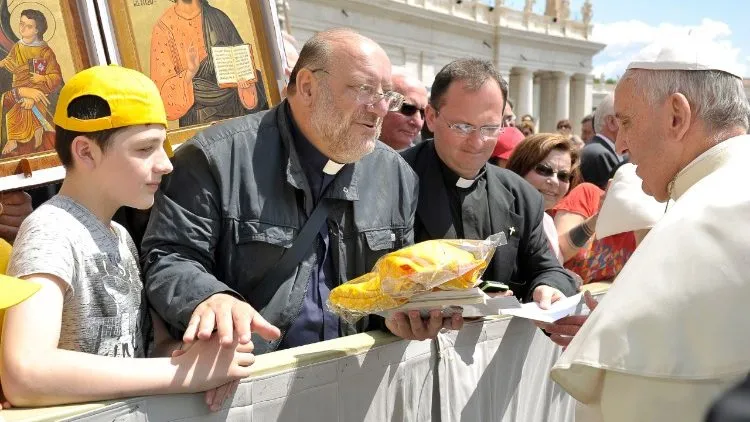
column 332, row 168
column 465, row 183
column 705, row 164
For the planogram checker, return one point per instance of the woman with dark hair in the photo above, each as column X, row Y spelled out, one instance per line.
column 550, row 163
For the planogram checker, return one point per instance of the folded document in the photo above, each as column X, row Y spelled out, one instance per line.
column 559, row 309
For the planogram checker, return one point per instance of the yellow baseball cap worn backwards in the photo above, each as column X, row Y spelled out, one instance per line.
column 133, row 99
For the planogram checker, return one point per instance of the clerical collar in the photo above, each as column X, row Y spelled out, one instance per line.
column 452, row 179
column 311, row 158
column 332, row 167
column 705, row 164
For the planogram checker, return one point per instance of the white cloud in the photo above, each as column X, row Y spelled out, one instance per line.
column 635, row 40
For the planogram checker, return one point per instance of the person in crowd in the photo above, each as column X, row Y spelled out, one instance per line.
column 598, row 158
column 509, row 118
column 550, row 163
column 298, row 177
column 663, row 344
column 461, row 196
column 15, row 206
column 528, row 118
column 587, row 128
column 402, row 128
column 564, row 127
column 577, row 142
column 507, row 141
column 110, row 130
column 527, row 127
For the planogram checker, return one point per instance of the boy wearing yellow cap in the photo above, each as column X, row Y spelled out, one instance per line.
column 72, row 340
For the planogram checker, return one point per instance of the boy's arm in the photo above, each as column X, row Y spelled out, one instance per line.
column 37, row 373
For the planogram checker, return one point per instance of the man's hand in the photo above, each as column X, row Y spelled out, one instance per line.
column 14, row 208
column 413, row 327
column 563, row 330
column 545, row 296
column 230, row 317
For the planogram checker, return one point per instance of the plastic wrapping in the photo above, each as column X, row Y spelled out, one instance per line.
column 443, row 264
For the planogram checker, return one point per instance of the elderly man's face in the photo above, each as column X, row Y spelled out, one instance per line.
column 466, row 154
column 344, row 114
column 642, row 134
column 401, row 127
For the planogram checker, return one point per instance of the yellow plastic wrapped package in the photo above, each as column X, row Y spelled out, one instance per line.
column 445, row 264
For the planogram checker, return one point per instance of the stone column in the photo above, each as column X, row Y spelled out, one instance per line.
column 537, row 108
column 525, row 94
column 580, row 100
column 548, row 111
column 562, row 98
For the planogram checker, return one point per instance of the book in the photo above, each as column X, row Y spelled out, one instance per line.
column 233, row 64
column 470, row 303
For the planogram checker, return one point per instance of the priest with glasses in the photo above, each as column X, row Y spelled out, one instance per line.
column 462, row 197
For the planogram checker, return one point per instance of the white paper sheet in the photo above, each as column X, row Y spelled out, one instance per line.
column 559, row 309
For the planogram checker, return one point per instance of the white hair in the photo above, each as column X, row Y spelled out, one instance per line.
column 604, row 109
column 716, row 98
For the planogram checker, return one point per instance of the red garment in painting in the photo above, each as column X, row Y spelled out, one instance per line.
column 600, row 260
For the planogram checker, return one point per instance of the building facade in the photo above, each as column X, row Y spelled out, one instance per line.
column 546, row 58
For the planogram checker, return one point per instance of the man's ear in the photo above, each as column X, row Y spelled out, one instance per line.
column 306, row 84
column 86, row 153
column 679, row 114
column 430, row 115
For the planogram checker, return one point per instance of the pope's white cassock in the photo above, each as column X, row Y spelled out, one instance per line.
column 673, row 332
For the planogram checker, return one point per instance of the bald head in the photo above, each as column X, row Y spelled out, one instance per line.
column 334, row 46
column 401, row 128
column 337, row 93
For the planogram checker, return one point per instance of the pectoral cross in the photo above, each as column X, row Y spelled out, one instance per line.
column 511, row 230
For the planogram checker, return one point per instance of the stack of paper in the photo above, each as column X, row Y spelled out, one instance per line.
column 559, row 309
column 470, row 303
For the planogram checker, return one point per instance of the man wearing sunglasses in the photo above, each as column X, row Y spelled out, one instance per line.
column 401, row 128
column 461, row 196
column 265, row 214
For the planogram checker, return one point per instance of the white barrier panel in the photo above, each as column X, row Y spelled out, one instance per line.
column 492, row 370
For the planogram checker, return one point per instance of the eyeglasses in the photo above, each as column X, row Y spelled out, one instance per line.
column 485, row 132
column 546, row 171
column 564, row 127
column 410, row 109
column 368, row 95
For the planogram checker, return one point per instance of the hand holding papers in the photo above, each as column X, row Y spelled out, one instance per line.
column 559, row 309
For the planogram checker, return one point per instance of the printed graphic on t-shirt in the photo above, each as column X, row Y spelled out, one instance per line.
column 112, row 330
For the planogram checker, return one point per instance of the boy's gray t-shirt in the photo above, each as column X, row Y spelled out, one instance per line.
column 104, row 310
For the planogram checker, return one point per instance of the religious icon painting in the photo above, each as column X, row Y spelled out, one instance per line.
column 42, row 43
column 210, row 59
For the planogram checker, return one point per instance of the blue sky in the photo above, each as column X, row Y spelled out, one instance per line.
column 636, row 29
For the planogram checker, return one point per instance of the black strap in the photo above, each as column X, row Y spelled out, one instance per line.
column 296, row 253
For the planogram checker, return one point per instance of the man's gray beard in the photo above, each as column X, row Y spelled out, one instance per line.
column 332, row 127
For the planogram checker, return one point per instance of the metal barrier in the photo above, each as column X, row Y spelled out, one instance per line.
column 492, row 370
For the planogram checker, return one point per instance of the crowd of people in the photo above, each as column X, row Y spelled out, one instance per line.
column 254, row 220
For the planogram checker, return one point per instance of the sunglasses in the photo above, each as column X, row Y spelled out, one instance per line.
column 546, row 171
column 564, row 127
column 410, row 109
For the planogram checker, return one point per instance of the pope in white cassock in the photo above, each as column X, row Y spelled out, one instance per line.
column 673, row 332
